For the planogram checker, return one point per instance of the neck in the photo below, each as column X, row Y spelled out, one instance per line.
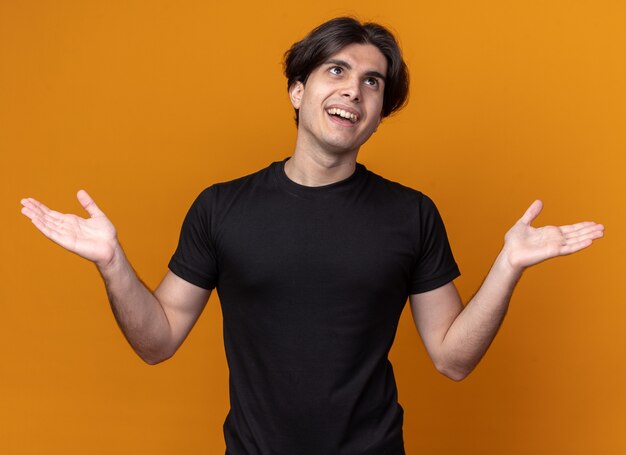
column 319, row 169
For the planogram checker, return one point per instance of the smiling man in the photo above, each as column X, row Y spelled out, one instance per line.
column 314, row 259
column 340, row 104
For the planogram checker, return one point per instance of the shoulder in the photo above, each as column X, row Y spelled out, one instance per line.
column 398, row 191
column 219, row 199
column 260, row 175
column 225, row 188
column 401, row 199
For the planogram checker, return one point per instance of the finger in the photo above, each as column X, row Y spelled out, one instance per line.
column 532, row 212
column 33, row 208
column 593, row 235
column 591, row 230
column 49, row 231
column 566, row 229
column 34, row 205
column 29, row 213
column 575, row 246
column 88, row 203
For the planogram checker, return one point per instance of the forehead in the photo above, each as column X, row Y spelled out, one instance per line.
column 362, row 57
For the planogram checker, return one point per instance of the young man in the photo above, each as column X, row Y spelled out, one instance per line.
column 314, row 258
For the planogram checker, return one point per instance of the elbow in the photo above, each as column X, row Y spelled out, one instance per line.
column 455, row 372
column 456, row 376
column 154, row 357
column 153, row 360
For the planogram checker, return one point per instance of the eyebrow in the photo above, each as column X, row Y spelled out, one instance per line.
column 346, row 65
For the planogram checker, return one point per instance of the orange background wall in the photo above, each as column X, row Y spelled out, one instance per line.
column 145, row 103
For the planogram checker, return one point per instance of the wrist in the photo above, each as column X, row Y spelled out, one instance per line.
column 111, row 263
column 507, row 264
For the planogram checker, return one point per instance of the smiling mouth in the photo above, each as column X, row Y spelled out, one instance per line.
column 343, row 114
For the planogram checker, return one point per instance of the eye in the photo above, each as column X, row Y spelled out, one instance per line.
column 371, row 81
column 336, row 70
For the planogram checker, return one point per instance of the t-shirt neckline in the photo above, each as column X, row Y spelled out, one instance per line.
column 286, row 183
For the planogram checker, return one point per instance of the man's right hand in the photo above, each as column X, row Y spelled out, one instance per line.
column 155, row 324
column 93, row 238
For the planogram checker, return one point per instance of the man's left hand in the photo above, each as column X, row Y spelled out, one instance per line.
column 525, row 245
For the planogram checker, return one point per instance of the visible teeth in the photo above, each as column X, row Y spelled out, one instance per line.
column 342, row 113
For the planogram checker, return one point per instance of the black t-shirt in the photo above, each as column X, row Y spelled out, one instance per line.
column 312, row 282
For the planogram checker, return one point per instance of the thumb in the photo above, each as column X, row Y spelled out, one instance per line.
column 532, row 212
column 88, row 203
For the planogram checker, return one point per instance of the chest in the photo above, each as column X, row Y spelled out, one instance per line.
column 277, row 244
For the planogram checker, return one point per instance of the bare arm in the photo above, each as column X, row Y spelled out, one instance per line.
column 155, row 324
column 457, row 337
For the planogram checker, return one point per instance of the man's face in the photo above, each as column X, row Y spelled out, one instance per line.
column 341, row 104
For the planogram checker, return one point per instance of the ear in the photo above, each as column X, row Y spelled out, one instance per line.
column 295, row 94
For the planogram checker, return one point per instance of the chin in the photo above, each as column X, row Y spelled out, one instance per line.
column 344, row 146
column 342, row 149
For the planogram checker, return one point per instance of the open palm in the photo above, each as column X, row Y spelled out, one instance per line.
column 527, row 245
column 93, row 238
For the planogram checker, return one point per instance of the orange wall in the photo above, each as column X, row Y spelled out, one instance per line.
column 144, row 103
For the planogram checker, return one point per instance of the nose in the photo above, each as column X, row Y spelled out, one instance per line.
column 352, row 89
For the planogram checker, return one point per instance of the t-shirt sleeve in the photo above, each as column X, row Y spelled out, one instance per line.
column 194, row 259
column 435, row 264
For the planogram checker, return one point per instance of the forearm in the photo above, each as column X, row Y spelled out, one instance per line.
column 137, row 311
column 457, row 337
column 154, row 324
column 473, row 330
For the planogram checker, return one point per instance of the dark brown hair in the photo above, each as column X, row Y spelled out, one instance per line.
column 332, row 36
